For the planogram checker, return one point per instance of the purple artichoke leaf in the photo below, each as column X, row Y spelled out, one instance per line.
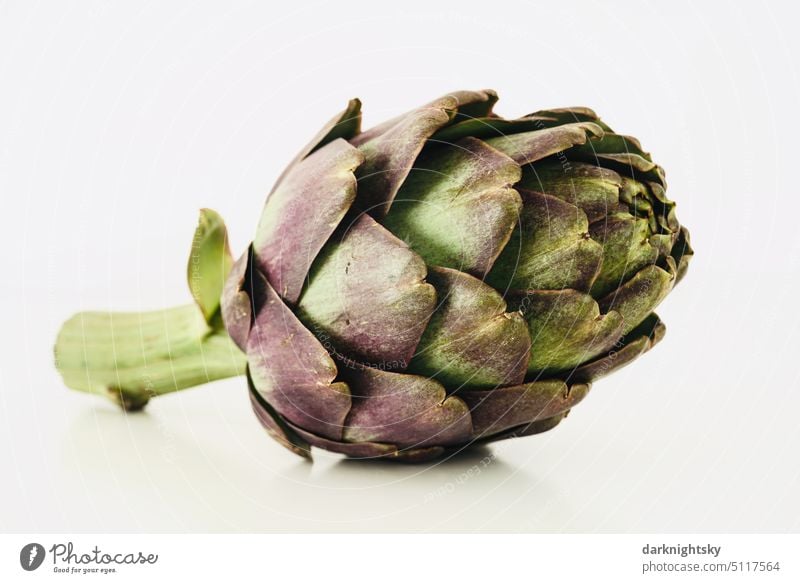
column 238, row 297
column 390, row 155
column 409, row 411
column 293, row 372
column 302, row 213
column 275, row 425
column 345, row 125
column 367, row 297
column 495, row 411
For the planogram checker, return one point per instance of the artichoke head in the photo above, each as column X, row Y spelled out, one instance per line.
column 450, row 277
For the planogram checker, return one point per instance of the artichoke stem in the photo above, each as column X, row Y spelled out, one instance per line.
column 132, row 357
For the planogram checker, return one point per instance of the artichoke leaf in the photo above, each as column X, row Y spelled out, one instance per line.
column 550, row 249
column 390, row 155
column 567, row 329
column 682, row 252
column 237, row 300
column 460, row 105
column 594, row 190
column 631, row 346
column 209, row 264
column 495, row 411
column 345, row 125
column 392, row 147
column 302, row 213
column 565, row 115
column 640, row 295
column 533, row 428
column 471, row 339
column 275, row 425
column 528, row 147
column 367, row 296
column 292, row 371
column 361, row 450
column 626, row 250
column 409, row 411
column 457, row 208
column 488, row 127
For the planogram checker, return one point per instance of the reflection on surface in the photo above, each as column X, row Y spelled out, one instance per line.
column 199, row 470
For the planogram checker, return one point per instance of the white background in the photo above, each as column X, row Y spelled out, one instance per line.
column 118, row 121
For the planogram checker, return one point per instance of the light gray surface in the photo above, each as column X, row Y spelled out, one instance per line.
column 117, row 124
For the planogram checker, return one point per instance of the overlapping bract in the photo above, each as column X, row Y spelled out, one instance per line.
column 450, row 277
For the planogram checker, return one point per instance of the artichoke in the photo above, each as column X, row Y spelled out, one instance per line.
column 446, row 278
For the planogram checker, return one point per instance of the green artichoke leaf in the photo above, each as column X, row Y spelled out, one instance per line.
column 292, row 371
column 631, row 346
column 209, row 264
column 612, row 144
column 549, row 250
column 346, row 125
column 624, row 162
column 682, row 253
column 528, row 147
column 495, row 411
column 474, row 104
column 406, row 410
column 488, row 127
column 666, row 217
column 457, row 208
column 302, row 213
column 471, row 339
column 567, row 329
column 640, row 295
column 391, row 148
column 565, row 115
column 626, row 250
column 618, row 152
column 592, row 189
